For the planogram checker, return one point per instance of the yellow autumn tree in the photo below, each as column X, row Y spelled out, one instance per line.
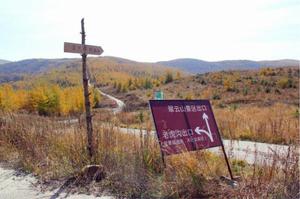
column 11, row 99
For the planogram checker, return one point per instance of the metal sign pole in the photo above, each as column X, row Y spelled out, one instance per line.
column 161, row 152
column 227, row 162
column 223, row 149
column 85, row 79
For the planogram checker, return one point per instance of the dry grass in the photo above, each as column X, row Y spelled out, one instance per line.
column 53, row 150
column 277, row 124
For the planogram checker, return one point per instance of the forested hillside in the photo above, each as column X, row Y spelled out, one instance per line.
column 261, row 87
column 53, row 87
column 110, row 68
column 259, row 105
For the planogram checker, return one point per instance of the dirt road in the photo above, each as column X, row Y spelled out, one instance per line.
column 17, row 185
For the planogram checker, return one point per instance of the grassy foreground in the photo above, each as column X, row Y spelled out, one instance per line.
column 53, row 150
column 276, row 124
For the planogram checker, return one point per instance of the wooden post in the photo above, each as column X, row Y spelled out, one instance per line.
column 85, row 81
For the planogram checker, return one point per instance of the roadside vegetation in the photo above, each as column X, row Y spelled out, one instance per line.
column 58, row 91
column 258, row 105
column 263, row 87
column 277, row 124
column 54, row 151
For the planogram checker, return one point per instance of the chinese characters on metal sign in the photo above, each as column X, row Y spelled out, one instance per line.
column 184, row 125
column 78, row 48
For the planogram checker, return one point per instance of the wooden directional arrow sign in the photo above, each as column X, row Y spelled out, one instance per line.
column 79, row 48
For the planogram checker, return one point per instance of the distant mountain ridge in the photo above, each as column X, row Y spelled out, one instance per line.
column 2, row 61
column 33, row 65
column 12, row 70
column 201, row 66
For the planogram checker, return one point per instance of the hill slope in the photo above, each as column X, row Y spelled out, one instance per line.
column 68, row 71
column 2, row 61
column 11, row 71
column 200, row 66
column 30, row 66
column 260, row 87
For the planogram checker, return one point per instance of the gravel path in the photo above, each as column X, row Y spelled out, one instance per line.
column 15, row 185
column 251, row 152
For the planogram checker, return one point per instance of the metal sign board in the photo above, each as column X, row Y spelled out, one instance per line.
column 79, row 48
column 184, row 125
column 158, row 95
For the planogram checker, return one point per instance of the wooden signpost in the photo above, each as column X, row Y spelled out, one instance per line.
column 84, row 50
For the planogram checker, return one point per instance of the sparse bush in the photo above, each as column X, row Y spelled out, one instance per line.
column 216, row 96
column 258, row 89
column 277, row 91
column 247, row 135
column 285, row 83
column 267, row 72
column 119, row 87
column 221, row 105
column 264, row 82
column 238, row 166
column 296, row 113
column 253, row 81
column 148, row 84
column 267, row 90
column 228, row 85
column 202, row 82
column 189, row 96
column 169, row 77
column 115, row 84
column 141, row 117
column 245, row 91
column 234, row 107
column 149, row 94
column 178, row 75
column 124, row 89
column 179, row 95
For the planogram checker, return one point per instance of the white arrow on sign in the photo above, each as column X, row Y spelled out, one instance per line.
column 208, row 133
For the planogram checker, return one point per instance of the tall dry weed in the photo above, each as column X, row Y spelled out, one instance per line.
column 55, row 150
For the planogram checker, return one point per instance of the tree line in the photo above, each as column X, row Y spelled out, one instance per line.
column 47, row 100
column 147, row 82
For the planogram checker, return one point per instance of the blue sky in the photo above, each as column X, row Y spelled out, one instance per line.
column 153, row 30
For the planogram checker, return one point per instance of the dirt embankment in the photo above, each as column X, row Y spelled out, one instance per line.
column 132, row 101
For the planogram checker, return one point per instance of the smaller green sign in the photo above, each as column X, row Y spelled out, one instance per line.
column 158, row 95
